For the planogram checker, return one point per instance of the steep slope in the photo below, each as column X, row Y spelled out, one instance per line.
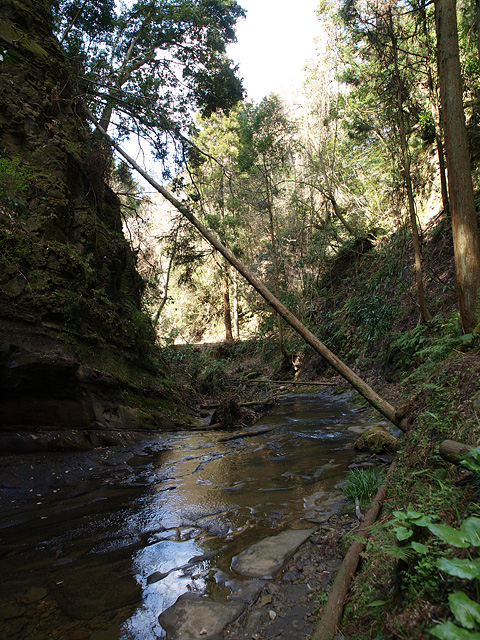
column 75, row 348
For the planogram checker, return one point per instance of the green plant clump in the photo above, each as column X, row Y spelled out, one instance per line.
column 465, row 610
column 362, row 484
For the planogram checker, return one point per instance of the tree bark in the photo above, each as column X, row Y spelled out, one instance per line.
column 466, row 242
column 236, row 320
column 436, row 111
column 381, row 405
column 227, row 316
column 275, row 262
column 477, row 7
column 453, row 451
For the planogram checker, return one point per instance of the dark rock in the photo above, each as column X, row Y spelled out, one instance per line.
column 75, row 347
column 193, row 617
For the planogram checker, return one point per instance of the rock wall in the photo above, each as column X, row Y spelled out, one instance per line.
column 77, row 358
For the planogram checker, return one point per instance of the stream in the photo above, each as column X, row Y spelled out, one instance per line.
column 97, row 544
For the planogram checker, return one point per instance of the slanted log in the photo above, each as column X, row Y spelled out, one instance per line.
column 381, row 405
column 326, row 627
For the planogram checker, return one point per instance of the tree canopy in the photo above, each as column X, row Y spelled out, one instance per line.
column 149, row 65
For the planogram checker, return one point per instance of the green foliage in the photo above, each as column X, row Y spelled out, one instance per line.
column 362, row 484
column 152, row 62
column 427, row 346
column 472, row 463
column 465, row 610
column 15, row 181
column 371, row 315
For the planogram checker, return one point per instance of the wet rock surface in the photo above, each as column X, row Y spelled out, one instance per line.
column 289, row 605
column 265, row 558
column 193, row 617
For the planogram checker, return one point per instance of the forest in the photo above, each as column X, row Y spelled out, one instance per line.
column 169, row 246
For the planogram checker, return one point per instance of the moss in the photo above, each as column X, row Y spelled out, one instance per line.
column 377, row 439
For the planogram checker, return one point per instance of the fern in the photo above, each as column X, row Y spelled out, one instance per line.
column 399, row 553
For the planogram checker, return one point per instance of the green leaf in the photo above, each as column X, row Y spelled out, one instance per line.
column 465, row 610
column 471, row 531
column 377, row 603
column 411, row 514
column 449, row 535
column 460, row 567
column 400, row 515
column 419, row 547
column 402, row 533
column 424, row 521
column 450, row 631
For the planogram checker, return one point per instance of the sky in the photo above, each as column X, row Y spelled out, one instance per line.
column 274, row 42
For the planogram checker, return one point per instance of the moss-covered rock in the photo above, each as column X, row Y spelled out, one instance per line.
column 377, row 440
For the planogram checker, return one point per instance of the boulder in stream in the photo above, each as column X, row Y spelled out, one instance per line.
column 193, row 617
column 265, row 558
column 378, row 440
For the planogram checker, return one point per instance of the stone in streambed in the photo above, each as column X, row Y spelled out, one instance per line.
column 378, row 440
column 265, row 558
column 193, row 617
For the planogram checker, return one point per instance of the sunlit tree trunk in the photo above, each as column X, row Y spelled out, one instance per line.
column 276, row 278
column 236, row 320
column 424, row 312
column 226, row 306
column 466, row 240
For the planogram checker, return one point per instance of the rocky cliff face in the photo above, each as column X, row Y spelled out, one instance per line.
column 76, row 364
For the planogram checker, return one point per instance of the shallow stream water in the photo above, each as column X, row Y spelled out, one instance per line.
column 96, row 545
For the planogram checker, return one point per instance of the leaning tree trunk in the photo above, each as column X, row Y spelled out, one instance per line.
column 466, row 242
column 381, row 405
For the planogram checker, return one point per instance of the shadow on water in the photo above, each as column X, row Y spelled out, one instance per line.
column 97, row 545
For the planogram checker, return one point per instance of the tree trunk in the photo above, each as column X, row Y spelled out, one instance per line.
column 466, row 242
column 424, row 312
column 436, row 112
column 236, row 321
column 381, row 405
column 478, row 27
column 226, row 307
column 275, row 265
column 453, row 451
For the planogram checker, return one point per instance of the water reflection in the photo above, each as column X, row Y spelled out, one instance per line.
column 137, row 527
column 221, row 496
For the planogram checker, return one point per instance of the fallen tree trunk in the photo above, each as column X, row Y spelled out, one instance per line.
column 453, row 451
column 294, row 382
column 381, row 405
column 327, row 625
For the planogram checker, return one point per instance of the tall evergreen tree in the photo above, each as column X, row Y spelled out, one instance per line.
column 466, row 239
